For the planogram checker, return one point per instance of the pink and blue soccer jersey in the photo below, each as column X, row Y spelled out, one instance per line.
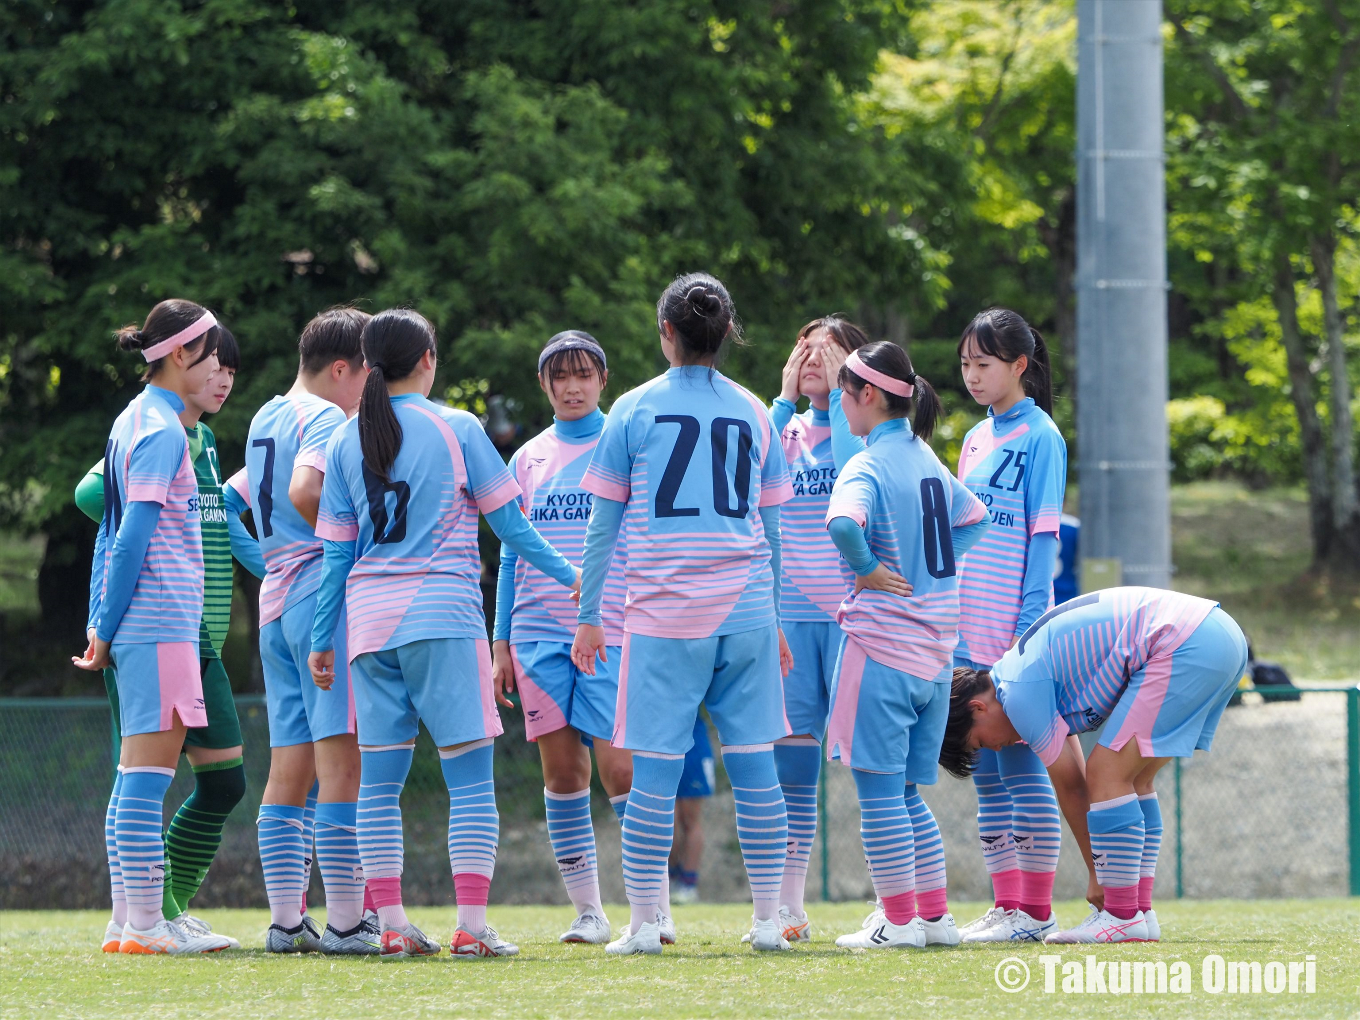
column 1016, row 463
column 1159, row 665
column 417, row 571
column 289, row 432
column 907, row 502
column 693, row 456
column 147, row 461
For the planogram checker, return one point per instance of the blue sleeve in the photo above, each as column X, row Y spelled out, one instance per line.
column 781, row 413
column 769, row 518
column 966, row 536
column 505, row 594
column 851, row 543
column 1038, row 586
column 844, row 443
column 337, row 560
column 602, row 534
column 513, row 529
column 97, row 565
column 244, row 545
column 125, row 565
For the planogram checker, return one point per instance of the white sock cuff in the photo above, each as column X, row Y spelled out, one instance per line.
column 120, row 768
column 798, row 742
column 658, row 755
column 155, row 769
column 747, row 748
column 390, row 747
column 1148, row 796
column 620, row 799
column 1105, row 805
column 476, row 745
column 549, row 795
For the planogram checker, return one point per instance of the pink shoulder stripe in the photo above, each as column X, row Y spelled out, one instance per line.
column 846, row 508
column 333, row 531
column 313, row 458
column 241, row 483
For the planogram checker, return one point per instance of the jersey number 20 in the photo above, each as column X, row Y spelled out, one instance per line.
column 678, row 464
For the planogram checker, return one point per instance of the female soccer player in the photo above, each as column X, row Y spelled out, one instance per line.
column 535, row 623
column 688, row 464
column 900, row 520
column 398, row 517
column 214, row 752
column 146, row 604
column 311, row 731
column 1157, row 668
column 1015, row 461
column 814, row 584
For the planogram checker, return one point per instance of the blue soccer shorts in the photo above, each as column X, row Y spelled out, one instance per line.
column 299, row 711
column 555, row 693
column 443, row 682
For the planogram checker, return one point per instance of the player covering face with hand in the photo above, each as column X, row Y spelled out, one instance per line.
column 689, row 468
column 536, row 620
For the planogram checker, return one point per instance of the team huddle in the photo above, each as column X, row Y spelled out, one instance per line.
column 818, row 582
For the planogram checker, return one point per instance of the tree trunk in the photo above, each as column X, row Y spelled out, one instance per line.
column 1305, row 407
column 1345, row 548
column 1060, row 239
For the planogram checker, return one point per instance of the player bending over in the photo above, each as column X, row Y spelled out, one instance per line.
column 536, row 620
column 404, row 483
column 1157, row 668
column 900, row 520
column 689, row 467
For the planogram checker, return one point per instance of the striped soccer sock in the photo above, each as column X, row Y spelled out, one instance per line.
column 930, row 877
column 281, row 856
column 649, row 830
column 308, row 839
column 111, row 850
column 1037, row 832
column 572, row 834
column 620, row 806
column 1117, row 837
column 762, row 822
column 1152, row 845
column 337, row 855
column 382, row 774
column 889, row 843
column 195, row 833
column 474, row 827
column 995, row 814
column 141, row 850
column 798, row 760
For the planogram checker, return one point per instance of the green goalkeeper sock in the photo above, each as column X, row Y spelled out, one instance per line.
column 195, row 832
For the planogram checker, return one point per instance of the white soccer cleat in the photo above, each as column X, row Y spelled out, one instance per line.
column 589, row 928
column 886, row 935
column 765, row 937
column 169, row 937
column 480, row 945
column 988, row 920
column 876, row 916
column 1016, row 926
column 1154, row 929
column 1101, row 926
column 302, row 939
column 113, row 937
column 197, row 924
column 794, row 927
column 666, row 926
column 405, row 942
column 646, row 941
column 363, row 939
column 942, row 931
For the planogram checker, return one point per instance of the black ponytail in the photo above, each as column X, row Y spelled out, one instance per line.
column 393, row 343
column 886, row 357
column 700, row 311
column 1002, row 333
column 164, row 321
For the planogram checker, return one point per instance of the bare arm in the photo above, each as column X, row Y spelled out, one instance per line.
column 1068, row 774
column 304, row 491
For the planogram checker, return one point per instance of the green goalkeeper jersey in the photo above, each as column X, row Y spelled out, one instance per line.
column 217, row 568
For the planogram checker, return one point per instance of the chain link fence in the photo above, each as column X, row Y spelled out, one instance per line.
column 1273, row 811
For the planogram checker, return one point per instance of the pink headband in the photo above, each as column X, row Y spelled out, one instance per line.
column 186, row 335
column 884, row 382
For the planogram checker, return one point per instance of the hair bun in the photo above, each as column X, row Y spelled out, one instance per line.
column 703, row 301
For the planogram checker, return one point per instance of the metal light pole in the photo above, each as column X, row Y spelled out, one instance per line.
column 1121, row 296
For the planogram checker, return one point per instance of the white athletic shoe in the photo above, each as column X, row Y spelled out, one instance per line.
column 988, row 920
column 406, row 942
column 887, row 935
column 113, row 937
column 480, row 945
column 876, row 916
column 1016, row 926
column 765, row 937
column 1154, row 929
column 1100, row 926
column 363, row 939
column 646, row 941
column 302, row 939
column 794, row 928
column 169, row 937
column 591, row 928
column 666, row 926
column 941, row 932
column 197, row 924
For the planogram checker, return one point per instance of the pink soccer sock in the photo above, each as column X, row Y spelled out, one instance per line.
column 386, row 893
column 1145, row 893
column 1006, row 888
column 931, row 904
column 471, row 892
column 1121, row 901
column 1036, row 894
column 901, row 907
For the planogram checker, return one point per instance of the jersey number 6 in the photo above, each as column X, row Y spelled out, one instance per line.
column 683, row 452
column 377, row 490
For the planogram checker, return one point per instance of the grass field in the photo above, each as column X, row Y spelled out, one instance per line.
column 50, row 966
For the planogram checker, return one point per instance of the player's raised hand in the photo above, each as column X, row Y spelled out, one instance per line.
column 588, row 644
column 785, row 654
column 883, row 579
column 96, row 655
column 502, row 672
column 322, row 666
column 793, row 370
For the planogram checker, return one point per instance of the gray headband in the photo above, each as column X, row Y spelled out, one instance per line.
column 572, row 340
